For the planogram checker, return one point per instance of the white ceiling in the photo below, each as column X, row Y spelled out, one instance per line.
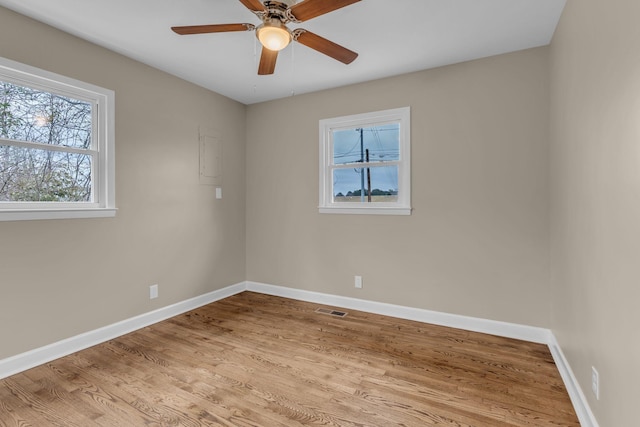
column 392, row 37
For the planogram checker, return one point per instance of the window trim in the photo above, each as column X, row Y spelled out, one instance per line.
column 326, row 126
column 103, row 101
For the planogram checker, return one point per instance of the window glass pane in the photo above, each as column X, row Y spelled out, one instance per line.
column 39, row 175
column 36, row 116
column 354, row 185
column 351, row 145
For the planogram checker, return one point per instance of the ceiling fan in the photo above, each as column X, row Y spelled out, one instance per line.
column 273, row 32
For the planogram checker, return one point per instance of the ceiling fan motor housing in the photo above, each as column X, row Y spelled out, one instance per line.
column 287, row 3
column 279, row 10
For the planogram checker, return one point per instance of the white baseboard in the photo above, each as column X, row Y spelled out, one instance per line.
column 21, row 362
column 493, row 327
column 578, row 399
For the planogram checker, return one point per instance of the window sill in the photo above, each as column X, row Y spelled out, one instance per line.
column 365, row 210
column 32, row 214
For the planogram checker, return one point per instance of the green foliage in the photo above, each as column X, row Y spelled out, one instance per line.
column 55, row 187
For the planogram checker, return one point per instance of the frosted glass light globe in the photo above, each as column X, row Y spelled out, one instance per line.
column 273, row 37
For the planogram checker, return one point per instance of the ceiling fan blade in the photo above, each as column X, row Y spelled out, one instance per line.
column 214, row 28
column 311, row 8
column 325, row 46
column 267, row 61
column 253, row 5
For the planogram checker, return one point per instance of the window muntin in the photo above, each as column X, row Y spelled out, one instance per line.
column 56, row 146
column 364, row 163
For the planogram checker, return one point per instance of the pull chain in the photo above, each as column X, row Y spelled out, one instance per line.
column 293, row 69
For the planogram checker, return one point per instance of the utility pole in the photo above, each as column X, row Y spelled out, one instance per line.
column 368, row 179
column 361, row 161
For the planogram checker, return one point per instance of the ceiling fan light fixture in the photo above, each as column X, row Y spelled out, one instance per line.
column 274, row 35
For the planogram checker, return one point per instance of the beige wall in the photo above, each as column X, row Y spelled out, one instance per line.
column 60, row 278
column 595, row 215
column 477, row 241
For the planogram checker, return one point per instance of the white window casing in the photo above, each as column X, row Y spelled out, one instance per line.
column 101, row 150
column 401, row 159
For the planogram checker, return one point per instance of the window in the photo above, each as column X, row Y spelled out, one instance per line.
column 56, row 146
column 365, row 163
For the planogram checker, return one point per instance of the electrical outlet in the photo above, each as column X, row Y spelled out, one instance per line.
column 153, row 291
column 595, row 382
column 358, row 282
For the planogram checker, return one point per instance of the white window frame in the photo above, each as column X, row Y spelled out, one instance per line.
column 327, row 126
column 103, row 145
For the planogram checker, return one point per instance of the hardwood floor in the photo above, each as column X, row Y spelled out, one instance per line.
column 257, row 360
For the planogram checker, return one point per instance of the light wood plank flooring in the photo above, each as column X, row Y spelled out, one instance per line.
column 257, row 360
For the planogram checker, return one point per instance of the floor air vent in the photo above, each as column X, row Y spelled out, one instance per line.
column 331, row 312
